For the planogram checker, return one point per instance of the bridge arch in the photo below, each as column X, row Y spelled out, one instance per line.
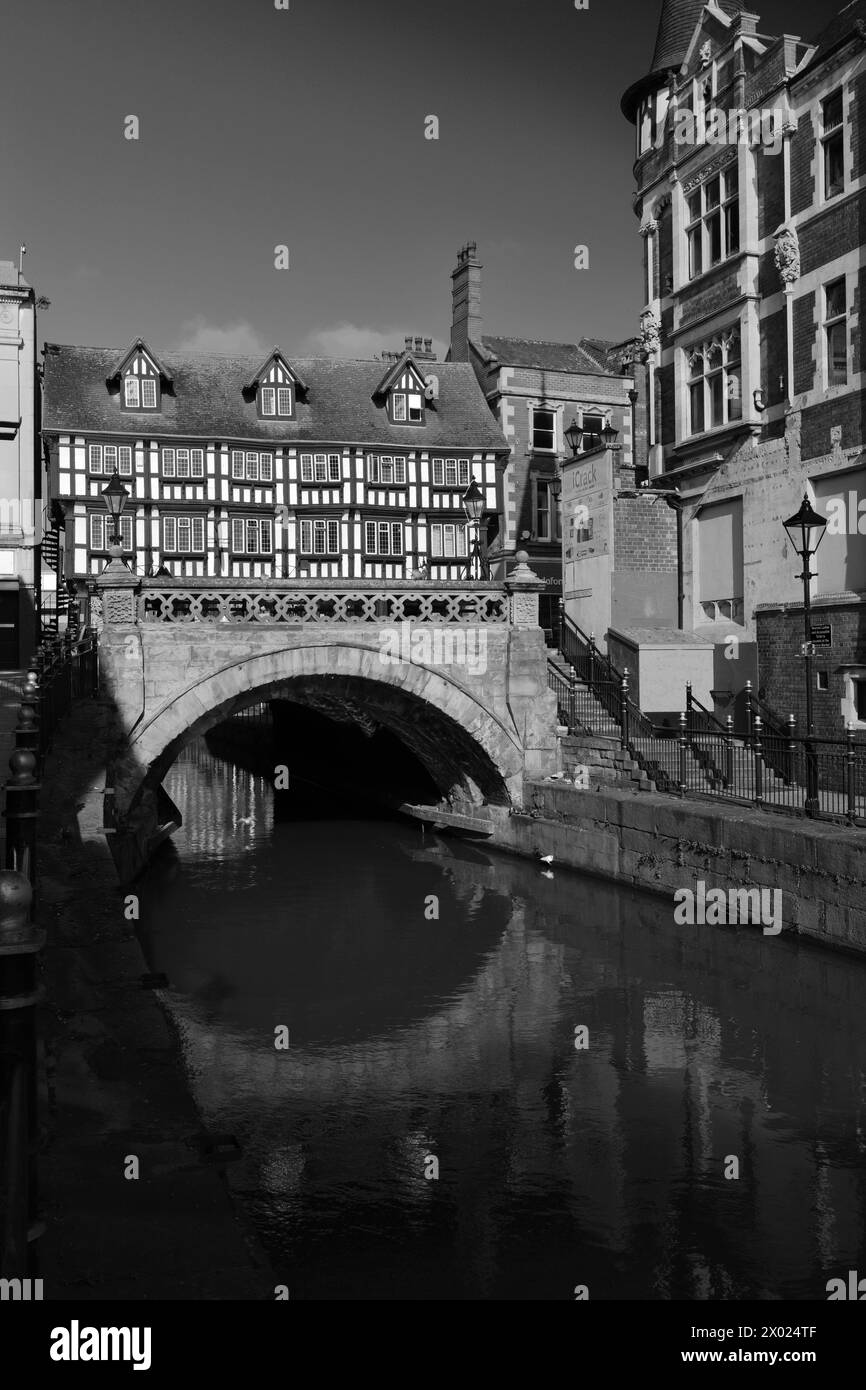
column 468, row 750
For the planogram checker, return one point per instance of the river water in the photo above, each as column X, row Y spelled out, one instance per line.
column 431, row 990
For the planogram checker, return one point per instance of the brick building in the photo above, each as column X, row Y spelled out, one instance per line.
column 284, row 469
column 535, row 390
column 751, row 193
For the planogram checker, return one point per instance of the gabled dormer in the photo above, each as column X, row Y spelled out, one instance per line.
column 275, row 387
column 140, row 378
column 405, row 392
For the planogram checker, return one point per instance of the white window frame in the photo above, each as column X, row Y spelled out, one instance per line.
column 320, row 536
column 148, row 384
column 387, row 470
column 250, row 466
column 830, row 324
column 269, row 400
column 171, row 533
column 284, row 390
column 97, row 460
column 264, row 545
column 458, row 468
column 100, row 529
column 542, row 410
column 697, row 223
column 399, row 413
column 728, row 348
column 826, row 135
column 131, row 397
column 382, row 537
column 448, row 541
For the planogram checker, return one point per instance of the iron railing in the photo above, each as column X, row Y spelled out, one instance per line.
column 768, row 764
column 63, row 670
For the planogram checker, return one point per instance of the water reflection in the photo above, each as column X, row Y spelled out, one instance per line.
column 453, row 1036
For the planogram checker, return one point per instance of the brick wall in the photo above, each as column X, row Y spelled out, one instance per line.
column 802, row 154
column 845, row 410
column 771, row 193
column 774, row 355
column 780, row 666
column 804, row 343
column 645, row 535
column 832, row 233
column 857, row 97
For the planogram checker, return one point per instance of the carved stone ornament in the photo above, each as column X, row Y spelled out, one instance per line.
column 650, row 332
column 524, row 610
column 786, row 255
column 706, row 53
column 649, row 226
column 119, row 606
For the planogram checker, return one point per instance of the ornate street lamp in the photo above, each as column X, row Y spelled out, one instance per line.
column 116, row 497
column 805, row 531
column 473, row 506
column 609, row 435
column 574, row 434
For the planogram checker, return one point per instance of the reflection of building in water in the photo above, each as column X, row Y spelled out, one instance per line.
column 222, row 804
column 755, row 1052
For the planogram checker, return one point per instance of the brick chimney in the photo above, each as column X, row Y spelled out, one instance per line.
column 466, row 320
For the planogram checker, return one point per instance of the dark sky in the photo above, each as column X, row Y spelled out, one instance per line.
column 306, row 127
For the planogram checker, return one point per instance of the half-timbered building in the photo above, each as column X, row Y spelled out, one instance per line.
column 286, row 468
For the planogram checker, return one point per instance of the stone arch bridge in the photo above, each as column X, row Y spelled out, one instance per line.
column 458, row 673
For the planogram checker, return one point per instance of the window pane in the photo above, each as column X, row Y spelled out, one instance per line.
column 696, row 252
column 835, row 299
column 438, row 473
column 237, row 464
column 832, row 111
column 714, row 232
column 266, row 467
column 169, row 541
column 252, row 467
column 464, row 472
column 696, row 400
column 398, row 405
column 285, row 400
column 837, row 354
column 712, row 193
column 124, row 461
column 237, row 534
column 130, row 386
column 96, row 458
column 732, row 227
column 148, row 392
column 694, row 207
column 834, row 176
column 306, row 536
column 334, row 537
column 306, row 468
column 735, row 405
column 592, row 428
column 450, row 472
column 542, row 429
column 716, row 386
column 198, row 533
column 334, row 467
column 182, row 458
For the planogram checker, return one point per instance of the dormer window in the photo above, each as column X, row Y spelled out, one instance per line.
column 407, row 407
column 140, row 392
column 275, row 388
column 276, row 402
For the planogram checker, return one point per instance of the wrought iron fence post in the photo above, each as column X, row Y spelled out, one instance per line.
column 592, row 661
column 572, row 697
column 21, row 813
column 749, row 715
column 729, row 750
column 792, row 748
column 20, row 942
column 690, row 711
column 851, row 773
column 623, row 709
column 684, row 744
column 560, row 615
column 758, row 762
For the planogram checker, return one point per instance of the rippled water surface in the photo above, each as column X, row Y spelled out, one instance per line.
column 415, row 1037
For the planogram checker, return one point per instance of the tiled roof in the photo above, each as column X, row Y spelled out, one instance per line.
column 677, row 24
column 545, row 356
column 844, row 23
column 207, row 401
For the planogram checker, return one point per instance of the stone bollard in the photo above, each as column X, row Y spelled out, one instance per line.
column 20, row 941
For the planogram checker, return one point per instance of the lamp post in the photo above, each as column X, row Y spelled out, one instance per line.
column 805, row 530
column 609, row 435
column 574, row 434
column 473, row 506
column 116, row 496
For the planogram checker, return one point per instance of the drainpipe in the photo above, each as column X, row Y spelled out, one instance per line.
column 676, row 505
